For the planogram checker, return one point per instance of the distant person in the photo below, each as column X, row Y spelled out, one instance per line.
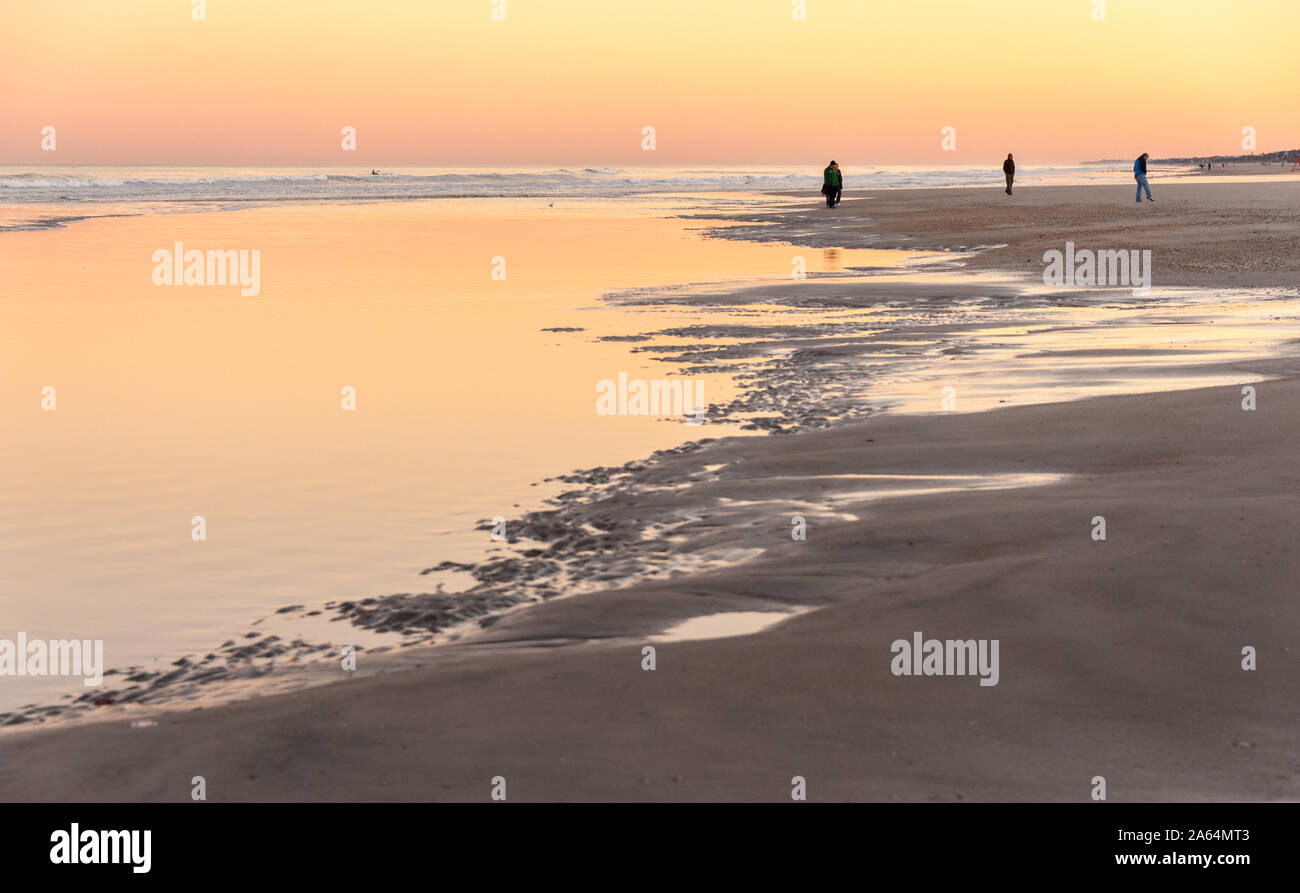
column 832, row 184
column 1140, row 174
column 1009, row 168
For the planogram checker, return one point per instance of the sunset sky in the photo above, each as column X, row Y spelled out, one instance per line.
column 574, row 81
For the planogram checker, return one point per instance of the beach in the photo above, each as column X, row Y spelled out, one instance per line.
column 1121, row 657
column 1203, row 230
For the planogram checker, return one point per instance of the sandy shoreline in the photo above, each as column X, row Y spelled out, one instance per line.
column 1201, row 231
column 1119, row 658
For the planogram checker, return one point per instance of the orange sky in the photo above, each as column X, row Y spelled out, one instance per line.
column 574, row 81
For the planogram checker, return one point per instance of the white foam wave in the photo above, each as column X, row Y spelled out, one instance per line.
column 250, row 185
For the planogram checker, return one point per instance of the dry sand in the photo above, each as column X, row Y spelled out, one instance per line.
column 1119, row 658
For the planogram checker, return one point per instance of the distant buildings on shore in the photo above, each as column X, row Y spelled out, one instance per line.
column 1285, row 156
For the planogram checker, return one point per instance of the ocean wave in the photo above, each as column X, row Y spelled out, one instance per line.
column 388, row 184
column 42, row 181
column 36, row 181
column 159, row 185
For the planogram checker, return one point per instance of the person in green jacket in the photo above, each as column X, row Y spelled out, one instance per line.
column 832, row 184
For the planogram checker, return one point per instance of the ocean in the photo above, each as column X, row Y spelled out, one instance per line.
column 55, row 195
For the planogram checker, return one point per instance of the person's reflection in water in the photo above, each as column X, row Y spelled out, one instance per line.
column 831, row 261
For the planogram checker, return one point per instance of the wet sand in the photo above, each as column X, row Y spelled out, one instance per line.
column 1202, row 231
column 1119, row 658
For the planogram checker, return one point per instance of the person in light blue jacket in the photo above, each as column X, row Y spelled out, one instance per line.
column 1140, row 174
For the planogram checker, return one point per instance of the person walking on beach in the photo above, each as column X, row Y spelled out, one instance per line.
column 832, row 184
column 1009, row 168
column 1140, row 174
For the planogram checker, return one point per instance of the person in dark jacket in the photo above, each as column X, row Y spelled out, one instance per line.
column 839, row 183
column 1140, row 174
column 829, row 178
column 1009, row 168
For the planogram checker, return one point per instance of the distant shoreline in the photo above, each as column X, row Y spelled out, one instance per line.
column 1286, row 156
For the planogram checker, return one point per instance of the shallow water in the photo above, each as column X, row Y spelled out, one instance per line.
column 725, row 625
column 969, row 342
column 177, row 402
